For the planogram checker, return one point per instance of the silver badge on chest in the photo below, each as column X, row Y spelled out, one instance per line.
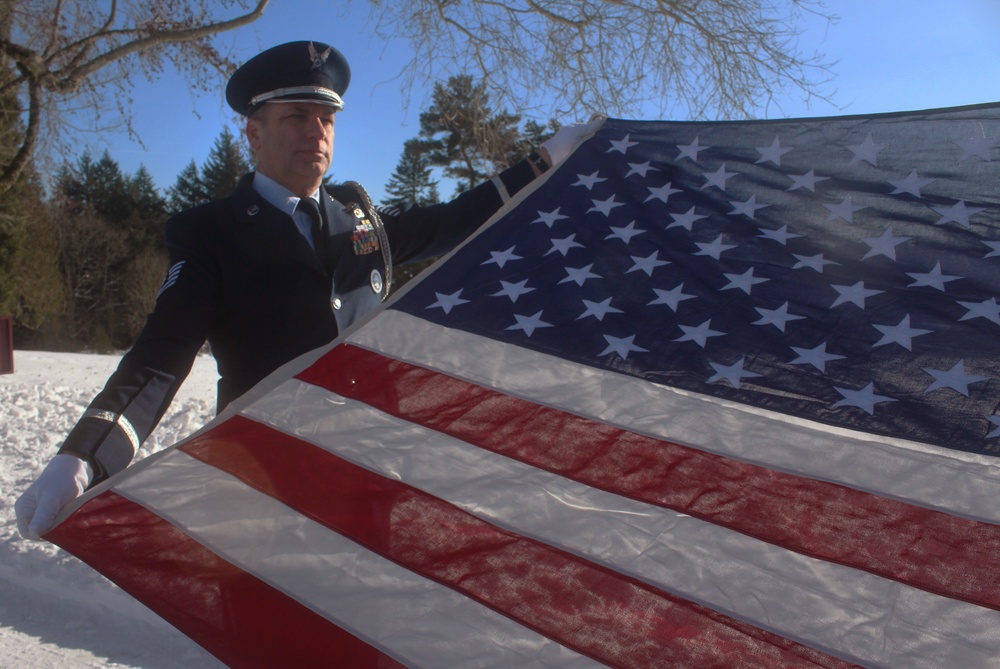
column 376, row 280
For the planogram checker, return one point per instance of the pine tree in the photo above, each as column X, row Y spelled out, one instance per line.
column 463, row 134
column 30, row 289
column 148, row 210
column 108, row 226
column 226, row 163
column 188, row 191
column 411, row 182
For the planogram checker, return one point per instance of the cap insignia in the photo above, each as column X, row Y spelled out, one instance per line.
column 318, row 58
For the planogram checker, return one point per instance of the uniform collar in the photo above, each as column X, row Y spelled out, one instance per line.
column 277, row 195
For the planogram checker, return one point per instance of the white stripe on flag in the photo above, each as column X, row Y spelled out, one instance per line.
column 395, row 610
column 843, row 611
column 960, row 483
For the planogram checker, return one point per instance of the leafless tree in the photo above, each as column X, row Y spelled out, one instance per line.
column 691, row 58
column 60, row 54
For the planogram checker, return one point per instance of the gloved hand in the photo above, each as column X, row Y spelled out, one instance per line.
column 63, row 480
column 560, row 145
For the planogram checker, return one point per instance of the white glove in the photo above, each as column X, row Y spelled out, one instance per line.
column 561, row 144
column 63, row 480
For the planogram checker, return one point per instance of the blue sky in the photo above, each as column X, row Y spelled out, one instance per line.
column 891, row 55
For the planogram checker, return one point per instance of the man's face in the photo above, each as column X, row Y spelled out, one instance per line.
column 293, row 143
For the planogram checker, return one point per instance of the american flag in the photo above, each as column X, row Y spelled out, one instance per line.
column 710, row 395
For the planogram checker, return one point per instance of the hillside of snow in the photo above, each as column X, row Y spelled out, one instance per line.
column 55, row 611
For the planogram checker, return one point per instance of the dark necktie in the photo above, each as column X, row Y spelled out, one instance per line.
column 311, row 208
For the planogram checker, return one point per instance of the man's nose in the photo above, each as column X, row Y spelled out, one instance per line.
column 316, row 127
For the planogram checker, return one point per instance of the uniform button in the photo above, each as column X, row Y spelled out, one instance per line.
column 336, row 303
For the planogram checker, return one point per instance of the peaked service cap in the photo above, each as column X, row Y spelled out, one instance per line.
column 293, row 72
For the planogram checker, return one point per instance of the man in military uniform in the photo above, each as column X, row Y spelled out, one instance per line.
column 276, row 269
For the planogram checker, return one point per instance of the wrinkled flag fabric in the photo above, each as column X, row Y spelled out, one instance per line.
column 709, row 395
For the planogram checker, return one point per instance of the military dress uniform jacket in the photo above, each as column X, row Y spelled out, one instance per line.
column 243, row 277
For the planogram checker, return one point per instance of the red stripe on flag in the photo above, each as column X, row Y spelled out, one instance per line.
column 613, row 618
column 233, row 615
column 927, row 549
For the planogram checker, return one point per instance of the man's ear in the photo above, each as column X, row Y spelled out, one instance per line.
column 253, row 133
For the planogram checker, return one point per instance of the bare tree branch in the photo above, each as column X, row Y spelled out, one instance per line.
column 53, row 51
column 689, row 58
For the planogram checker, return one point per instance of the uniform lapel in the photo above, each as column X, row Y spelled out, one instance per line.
column 340, row 225
column 272, row 229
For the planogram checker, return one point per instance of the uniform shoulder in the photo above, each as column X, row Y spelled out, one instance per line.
column 352, row 192
column 201, row 217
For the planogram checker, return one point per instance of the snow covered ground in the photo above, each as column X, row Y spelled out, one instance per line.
column 56, row 612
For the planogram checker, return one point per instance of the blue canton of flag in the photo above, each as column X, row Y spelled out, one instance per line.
column 842, row 270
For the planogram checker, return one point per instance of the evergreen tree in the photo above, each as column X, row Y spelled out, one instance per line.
column 148, row 211
column 532, row 136
column 30, row 289
column 187, row 191
column 226, row 163
column 411, row 182
column 108, row 231
column 461, row 133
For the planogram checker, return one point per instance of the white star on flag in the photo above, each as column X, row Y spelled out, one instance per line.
column 901, row 334
column 714, row 249
column 844, row 209
column 934, row 279
column 513, row 290
column 955, row 378
column 855, row 294
column 686, row 220
column 718, row 178
column 691, row 150
column 598, row 309
column 817, row 357
column 625, row 233
column 885, row 244
column 910, row 185
column 580, row 274
column 562, row 246
column 662, row 193
column 807, row 181
column 642, row 169
column 748, row 208
column 866, row 151
column 744, row 282
column 699, row 334
column 529, row 323
column 781, row 235
column 647, row 264
column 448, row 302
column 605, row 206
column 501, row 258
column 622, row 346
column 588, row 181
column 978, row 146
column 772, row 153
column 672, row 297
column 816, row 262
column 622, row 145
column 777, row 317
column 864, row 398
column 988, row 309
column 732, row 374
column 959, row 213
column 550, row 217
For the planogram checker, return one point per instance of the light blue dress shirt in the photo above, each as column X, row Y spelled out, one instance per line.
column 286, row 201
